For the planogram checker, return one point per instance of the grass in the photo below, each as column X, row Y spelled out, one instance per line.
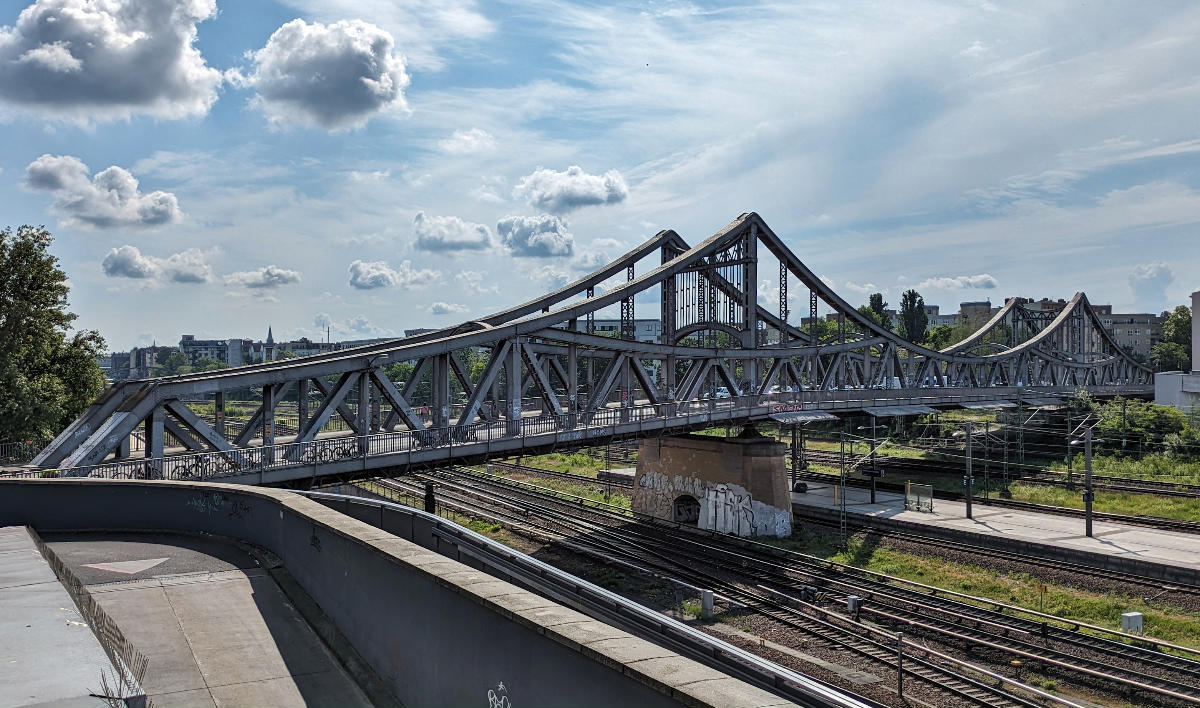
column 1157, row 467
column 1021, row 589
column 570, row 463
column 592, row 491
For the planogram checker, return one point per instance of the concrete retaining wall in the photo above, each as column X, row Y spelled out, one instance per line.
column 436, row 631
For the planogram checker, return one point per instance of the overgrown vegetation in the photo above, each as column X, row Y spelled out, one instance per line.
column 1101, row 609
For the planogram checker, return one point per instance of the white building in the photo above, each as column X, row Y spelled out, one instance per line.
column 1177, row 388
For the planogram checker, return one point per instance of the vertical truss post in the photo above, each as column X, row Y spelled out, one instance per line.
column 219, row 414
column 669, row 303
column 628, row 324
column 512, row 380
column 375, row 419
column 572, row 379
column 269, row 393
column 627, row 387
column 590, row 320
column 750, row 305
column 155, row 436
column 301, row 404
column 364, row 411
column 440, row 383
column 783, row 302
column 668, row 383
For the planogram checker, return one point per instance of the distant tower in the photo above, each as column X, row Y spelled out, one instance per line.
column 269, row 349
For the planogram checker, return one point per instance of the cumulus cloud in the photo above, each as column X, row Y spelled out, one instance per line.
column 450, row 233
column 101, row 61
column 471, row 281
column 368, row 275
column 983, row 281
column 541, row 236
column 862, row 289
column 446, row 308
column 356, row 327
column 110, row 198
column 560, row 192
column 550, row 277
column 1149, row 283
column 190, row 266
column 467, row 142
column 267, row 277
column 335, row 77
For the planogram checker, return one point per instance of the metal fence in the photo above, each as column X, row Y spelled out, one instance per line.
column 918, row 497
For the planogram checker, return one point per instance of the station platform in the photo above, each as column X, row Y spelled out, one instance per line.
column 1169, row 555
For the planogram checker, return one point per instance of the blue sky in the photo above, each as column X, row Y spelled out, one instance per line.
column 377, row 165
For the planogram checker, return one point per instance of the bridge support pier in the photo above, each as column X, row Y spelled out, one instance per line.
column 734, row 485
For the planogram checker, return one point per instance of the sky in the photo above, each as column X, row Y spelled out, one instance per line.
column 214, row 167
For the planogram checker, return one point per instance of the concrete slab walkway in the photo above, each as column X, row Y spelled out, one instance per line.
column 48, row 655
column 217, row 629
column 1118, row 542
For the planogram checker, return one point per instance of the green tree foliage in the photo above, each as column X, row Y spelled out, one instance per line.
column 913, row 320
column 1173, row 353
column 171, row 363
column 206, row 363
column 48, row 374
column 941, row 336
column 879, row 307
column 868, row 312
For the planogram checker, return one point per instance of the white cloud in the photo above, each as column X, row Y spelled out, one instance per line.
column 355, row 327
column 190, row 266
column 467, row 142
column 335, row 77
column 542, row 236
column 446, row 308
column 450, row 233
column 863, row 289
column 983, row 281
column 109, row 199
column 268, row 277
column 1149, row 283
column 368, row 275
column 90, row 61
column 549, row 277
column 471, row 281
column 560, row 192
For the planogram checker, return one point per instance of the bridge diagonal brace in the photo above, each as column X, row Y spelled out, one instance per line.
column 646, row 381
column 464, row 379
column 399, row 406
column 201, row 430
column 490, row 372
column 778, row 367
column 543, row 381
column 605, row 385
column 694, row 383
column 333, row 399
column 342, row 409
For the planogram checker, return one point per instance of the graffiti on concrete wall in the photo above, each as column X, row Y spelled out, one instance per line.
column 724, row 507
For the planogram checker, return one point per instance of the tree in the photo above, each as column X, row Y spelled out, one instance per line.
column 1170, row 356
column 207, row 363
column 1173, row 353
column 940, row 337
column 879, row 307
column 913, row 320
column 1177, row 326
column 49, row 375
column 172, row 362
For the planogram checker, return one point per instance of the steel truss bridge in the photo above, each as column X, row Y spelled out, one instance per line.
column 722, row 358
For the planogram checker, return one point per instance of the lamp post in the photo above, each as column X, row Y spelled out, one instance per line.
column 969, row 480
column 873, row 471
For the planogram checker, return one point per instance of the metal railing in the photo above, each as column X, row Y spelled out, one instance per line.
column 539, row 431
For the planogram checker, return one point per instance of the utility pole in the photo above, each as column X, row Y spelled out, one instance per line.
column 842, row 492
column 1070, row 472
column 1088, row 495
column 874, row 462
column 968, row 481
column 987, row 454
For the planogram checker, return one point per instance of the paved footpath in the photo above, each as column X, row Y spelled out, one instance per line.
column 1118, row 541
column 48, row 655
column 217, row 629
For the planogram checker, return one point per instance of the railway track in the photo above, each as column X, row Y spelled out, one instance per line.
column 961, row 621
column 1059, row 479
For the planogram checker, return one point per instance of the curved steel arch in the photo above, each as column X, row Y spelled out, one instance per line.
column 537, row 351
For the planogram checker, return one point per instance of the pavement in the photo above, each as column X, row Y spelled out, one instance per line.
column 48, row 655
column 1168, row 548
column 215, row 626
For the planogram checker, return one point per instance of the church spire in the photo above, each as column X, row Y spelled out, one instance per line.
column 270, row 337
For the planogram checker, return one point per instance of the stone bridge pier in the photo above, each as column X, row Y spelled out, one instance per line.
column 732, row 485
